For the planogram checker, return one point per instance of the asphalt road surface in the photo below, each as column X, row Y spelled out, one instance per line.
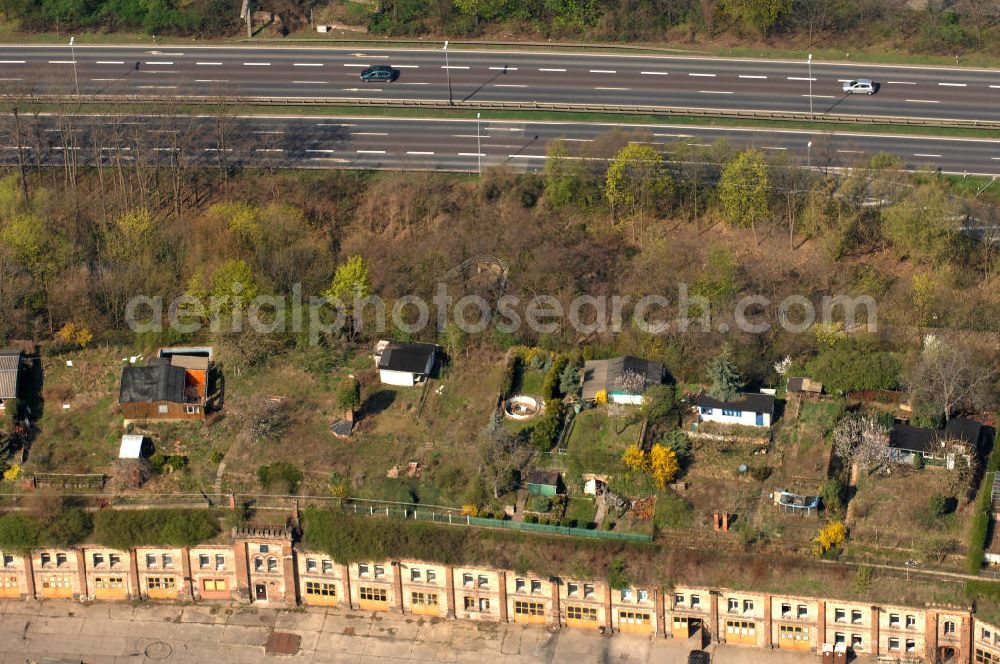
column 444, row 145
column 711, row 83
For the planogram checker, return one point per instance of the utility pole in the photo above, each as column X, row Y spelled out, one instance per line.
column 810, row 86
column 479, row 146
column 447, row 71
column 72, row 51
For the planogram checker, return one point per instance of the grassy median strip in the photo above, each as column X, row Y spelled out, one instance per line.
column 621, row 119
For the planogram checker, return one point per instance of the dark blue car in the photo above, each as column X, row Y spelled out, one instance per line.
column 379, row 73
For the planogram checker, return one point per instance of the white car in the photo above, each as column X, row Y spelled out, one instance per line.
column 860, row 86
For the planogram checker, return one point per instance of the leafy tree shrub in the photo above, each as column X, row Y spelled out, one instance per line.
column 550, row 386
column 349, row 394
column 618, row 576
column 680, row 443
column 124, row 529
column 918, row 461
column 69, row 527
column 938, row 505
column 546, row 432
column 18, row 533
column 829, row 539
column 217, row 456
column 848, row 367
column 280, row 476
column 832, row 493
column 724, row 377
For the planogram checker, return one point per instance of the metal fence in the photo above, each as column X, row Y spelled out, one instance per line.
column 438, row 514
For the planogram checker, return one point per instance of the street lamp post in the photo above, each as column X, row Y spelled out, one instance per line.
column 810, row 86
column 447, row 71
column 479, row 146
column 72, row 51
column 809, row 150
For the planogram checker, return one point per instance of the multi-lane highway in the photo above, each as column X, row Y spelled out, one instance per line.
column 446, row 145
column 490, row 76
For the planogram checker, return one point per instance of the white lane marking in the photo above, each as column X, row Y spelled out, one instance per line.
column 994, row 158
column 752, row 76
column 527, row 156
column 165, row 149
column 509, row 85
column 157, row 87
column 844, row 80
column 766, row 147
column 159, row 64
column 550, row 69
column 369, row 133
column 471, row 154
column 268, row 132
column 699, row 145
column 110, row 62
column 923, row 101
column 256, row 64
column 707, row 75
column 354, row 65
column 995, row 86
column 11, row 79
column 61, row 62
column 104, row 79
column 953, row 85
column 419, row 153
column 715, row 92
column 820, row 96
column 209, row 64
column 362, row 89
column 14, row 62
column 673, row 135
column 161, row 71
column 805, row 78
column 851, row 151
column 603, row 71
column 211, row 80
column 469, row 136
column 655, row 73
column 923, row 154
column 322, row 151
column 407, row 66
column 218, row 150
column 307, row 64
column 335, row 124
column 454, row 67
column 901, row 82
column 502, row 69
column 411, row 83
column 268, row 150
column 579, row 140
column 310, row 82
column 612, row 88
column 370, row 151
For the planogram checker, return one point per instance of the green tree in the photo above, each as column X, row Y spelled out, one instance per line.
column 659, row 404
column 924, row 224
column 453, row 339
column 234, row 285
column 68, row 528
column 18, row 533
column 350, row 280
column 349, row 394
column 485, row 9
column 637, row 183
column 562, row 180
column 743, row 190
column 758, row 15
column 724, row 377
column 848, row 367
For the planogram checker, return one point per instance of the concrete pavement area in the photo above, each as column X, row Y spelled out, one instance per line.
column 116, row 633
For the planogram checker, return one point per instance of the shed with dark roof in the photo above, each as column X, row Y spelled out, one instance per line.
column 747, row 409
column 612, row 377
column 10, row 370
column 405, row 363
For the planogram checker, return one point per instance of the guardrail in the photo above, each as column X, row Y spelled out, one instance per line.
column 622, row 109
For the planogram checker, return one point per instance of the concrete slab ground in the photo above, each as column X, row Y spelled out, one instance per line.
column 185, row 634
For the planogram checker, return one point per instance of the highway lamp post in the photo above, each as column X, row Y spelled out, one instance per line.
column 447, row 71
column 809, row 150
column 810, row 86
column 72, row 53
column 479, row 146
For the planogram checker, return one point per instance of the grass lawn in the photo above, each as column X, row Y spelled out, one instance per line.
column 531, row 382
column 892, row 514
column 581, row 510
column 597, row 441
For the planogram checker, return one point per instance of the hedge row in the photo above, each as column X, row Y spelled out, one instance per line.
column 984, row 509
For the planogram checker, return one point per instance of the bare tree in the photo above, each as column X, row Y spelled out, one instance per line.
column 501, row 455
column 948, row 375
column 862, row 441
